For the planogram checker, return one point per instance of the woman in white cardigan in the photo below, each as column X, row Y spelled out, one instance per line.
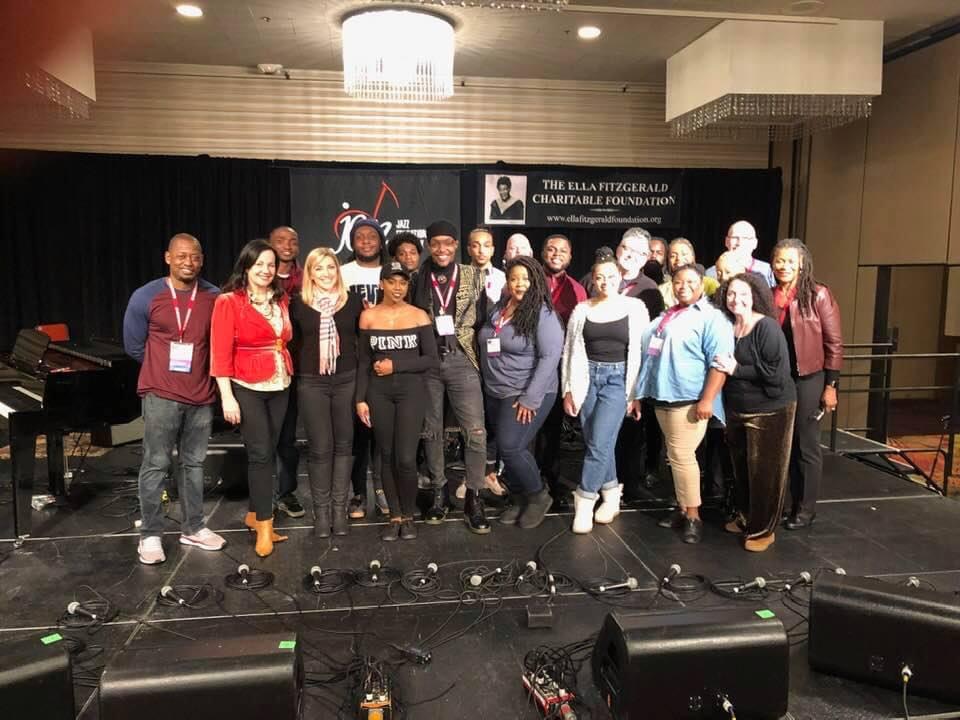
column 601, row 361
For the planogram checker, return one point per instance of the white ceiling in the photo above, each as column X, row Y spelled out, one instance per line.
column 490, row 43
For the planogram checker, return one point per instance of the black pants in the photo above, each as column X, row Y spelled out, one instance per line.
column 288, row 457
column 806, row 459
column 547, row 443
column 261, row 416
column 327, row 404
column 760, row 449
column 397, row 407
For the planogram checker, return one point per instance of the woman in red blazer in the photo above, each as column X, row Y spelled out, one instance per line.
column 249, row 333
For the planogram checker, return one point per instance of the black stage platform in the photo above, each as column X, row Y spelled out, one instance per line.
column 868, row 523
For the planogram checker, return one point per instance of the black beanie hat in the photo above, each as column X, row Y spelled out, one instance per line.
column 441, row 227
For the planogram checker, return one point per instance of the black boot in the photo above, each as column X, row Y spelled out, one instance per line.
column 537, row 505
column 512, row 512
column 342, row 464
column 437, row 511
column 473, row 513
column 320, row 483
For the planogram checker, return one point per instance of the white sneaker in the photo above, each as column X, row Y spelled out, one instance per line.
column 205, row 539
column 583, row 514
column 610, row 507
column 150, row 550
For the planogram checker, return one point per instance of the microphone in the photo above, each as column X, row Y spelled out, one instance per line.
column 244, row 571
column 478, row 580
column 433, row 568
column 840, row 571
column 630, row 583
column 374, row 566
column 913, row 581
column 75, row 608
column 802, row 579
column 170, row 594
column 672, row 572
column 758, row 583
column 315, row 573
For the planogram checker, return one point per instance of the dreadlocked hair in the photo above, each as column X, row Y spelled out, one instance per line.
column 806, row 282
column 526, row 318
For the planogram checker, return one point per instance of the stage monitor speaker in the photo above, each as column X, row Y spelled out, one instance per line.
column 36, row 680
column 866, row 629
column 682, row 665
column 238, row 678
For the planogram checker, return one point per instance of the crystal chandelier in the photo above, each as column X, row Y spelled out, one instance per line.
column 762, row 117
column 398, row 56
column 536, row 5
column 774, row 81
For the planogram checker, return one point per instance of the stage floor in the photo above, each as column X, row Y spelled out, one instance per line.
column 868, row 523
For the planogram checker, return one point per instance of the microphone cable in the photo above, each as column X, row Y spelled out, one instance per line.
column 253, row 579
column 195, row 597
column 377, row 576
column 95, row 612
column 331, row 582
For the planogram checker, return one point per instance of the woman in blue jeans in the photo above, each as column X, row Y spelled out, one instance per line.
column 601, row 361
column 520, row 346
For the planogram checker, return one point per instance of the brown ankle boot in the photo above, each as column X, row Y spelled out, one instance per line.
column 250, row 520
column 265, row 540
column 758, row 544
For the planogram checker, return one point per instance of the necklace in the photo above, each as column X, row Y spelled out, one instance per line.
column 264, row 307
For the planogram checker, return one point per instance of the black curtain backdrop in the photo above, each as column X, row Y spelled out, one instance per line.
column 80, row 232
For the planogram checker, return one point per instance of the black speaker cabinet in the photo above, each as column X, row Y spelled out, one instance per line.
column 239, row 678
column 36, row 680
column 868, row 630
column 680, row 666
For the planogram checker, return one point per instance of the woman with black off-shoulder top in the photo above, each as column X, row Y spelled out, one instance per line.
column 396, row 346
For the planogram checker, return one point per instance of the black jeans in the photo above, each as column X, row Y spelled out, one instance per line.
column 512, row 440
column 397, row 407
column 261, row 416
column 760, row 449
column 806, row 459
column 327, row 404
column 288, row 457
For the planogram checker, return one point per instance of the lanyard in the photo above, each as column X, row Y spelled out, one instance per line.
column 669, row 317
column 445, row 299
column 182, row 327
column 498, row 325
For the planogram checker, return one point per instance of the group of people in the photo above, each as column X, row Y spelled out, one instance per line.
column 649, row 346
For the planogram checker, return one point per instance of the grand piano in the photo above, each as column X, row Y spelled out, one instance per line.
column 49, row 388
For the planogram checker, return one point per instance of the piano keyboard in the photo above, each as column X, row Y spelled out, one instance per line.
column 17, row 399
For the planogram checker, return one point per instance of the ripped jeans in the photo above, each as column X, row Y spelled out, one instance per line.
column 459, row 381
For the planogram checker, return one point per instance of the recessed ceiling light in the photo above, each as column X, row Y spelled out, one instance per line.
column 588, row 32
column 190, row 11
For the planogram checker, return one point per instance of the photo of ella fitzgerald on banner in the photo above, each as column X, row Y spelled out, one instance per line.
column 582, row 199
column 504, row 197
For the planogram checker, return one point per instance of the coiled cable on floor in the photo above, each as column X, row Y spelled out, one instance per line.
column 329, row 581
column 377, row 575
column 248, row 579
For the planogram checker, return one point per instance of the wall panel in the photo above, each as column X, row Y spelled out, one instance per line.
column 908, row 185
column 224, row 111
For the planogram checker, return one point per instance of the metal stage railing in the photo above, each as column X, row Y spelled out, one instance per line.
column 880, row 393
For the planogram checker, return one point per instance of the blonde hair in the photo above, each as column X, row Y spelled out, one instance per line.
column 309, row 287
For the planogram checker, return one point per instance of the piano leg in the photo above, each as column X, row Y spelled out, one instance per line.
column 56, row 463
column 23, row 447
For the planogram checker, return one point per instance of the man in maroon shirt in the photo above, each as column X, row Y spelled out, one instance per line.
column 564, row 290
column 565, row 293
column 166, row 328
column 286, row 242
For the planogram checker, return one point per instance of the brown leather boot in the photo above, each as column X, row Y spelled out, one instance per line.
column 265, row 534
column 758, row 544
column 250, row 520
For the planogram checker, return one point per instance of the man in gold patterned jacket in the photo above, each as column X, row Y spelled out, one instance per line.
column 453, row 296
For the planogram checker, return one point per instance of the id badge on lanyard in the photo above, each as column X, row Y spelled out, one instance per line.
column 443, row 321
column 181, row 353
